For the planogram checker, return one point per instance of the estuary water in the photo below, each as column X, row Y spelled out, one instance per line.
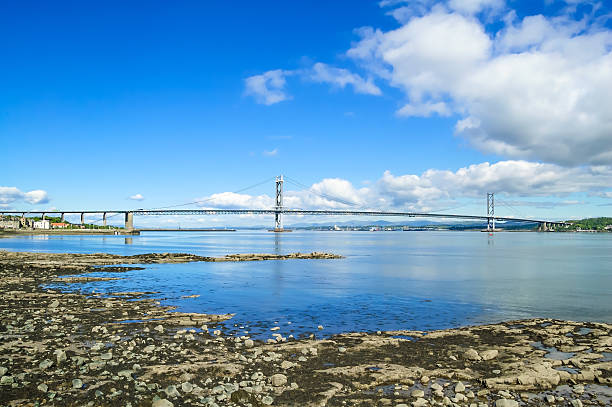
column 388, row 280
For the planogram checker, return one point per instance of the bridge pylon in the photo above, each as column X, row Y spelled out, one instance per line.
column 278, row 208
column 491, row 212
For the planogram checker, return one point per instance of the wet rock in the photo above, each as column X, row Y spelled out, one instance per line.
column 418, row 393
column 576, row 403
column 550, row 398
column 187, row 387
column 6, row 380
column 249, row 343
column 43, row 387
column 471, row 354
column 106, row 356
column 171, row 391
column 54, row 304
column 421, row 402
column 459, row 387
column 506, row 403
column 162, row 403
column 267, row 400
column 159, row 328
column 424, row 379
column 3, row 370
column 45, row 364
column 77, row 384
column 489, row 354
column 278, row 380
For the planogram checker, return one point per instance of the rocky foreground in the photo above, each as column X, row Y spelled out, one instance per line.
column 126, row 350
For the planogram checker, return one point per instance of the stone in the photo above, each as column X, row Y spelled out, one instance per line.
column 162, row 403
column 171, row 391
column 341, row 349
column 276, row 328
column 459, row 387
column 418, row 393
column 267, row 400
column 60, row 356
column 320, row 327
column 6, row 380
column 45, row 364
column 506, row 403
column 249, row 343
column 471, row 354
column 576, row 403
column 421, row 402
column 424, row 379
column 43, row 387
column 126, row 373
column 278, row 380
column 187, row 387
column 106, row 356
column 3, row 370
column 550, row 398
column 77, row 384
column 159, row 329
column 489, row 354
column 54, row 304
column 149, row 349
column 285, row 364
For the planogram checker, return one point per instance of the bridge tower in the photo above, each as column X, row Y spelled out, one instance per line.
column 278, row 220
column 491, row 212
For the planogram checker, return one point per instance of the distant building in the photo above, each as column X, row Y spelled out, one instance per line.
column 42, row 224
column 9, row 224
column 59, row 225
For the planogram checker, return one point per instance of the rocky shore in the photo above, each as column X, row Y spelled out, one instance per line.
column 122, row 349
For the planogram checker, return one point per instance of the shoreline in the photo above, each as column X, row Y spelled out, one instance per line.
column 118, row 348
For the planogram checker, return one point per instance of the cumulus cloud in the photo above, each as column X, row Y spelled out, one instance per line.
column 13, row 194
column 434, row 189
column 137, row 197
column 339, row 77
column 535, row 89
column 269, row 87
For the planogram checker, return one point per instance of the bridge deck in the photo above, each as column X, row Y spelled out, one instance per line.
column 162, row 212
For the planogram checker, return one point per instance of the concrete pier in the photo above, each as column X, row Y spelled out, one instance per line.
column 104, row 219
column 82, row 218
column 63, row 217
column 129, row 221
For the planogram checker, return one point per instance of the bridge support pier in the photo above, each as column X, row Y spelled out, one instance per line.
column 104, row 219
column 490, row 212
column 543, row 227
column 82, row 218
column 278, row 209
column 63, row 217
column 129, row 221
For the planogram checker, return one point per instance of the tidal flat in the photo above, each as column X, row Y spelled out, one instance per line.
column 125, row 348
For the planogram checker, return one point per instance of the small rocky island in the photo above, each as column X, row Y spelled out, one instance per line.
column 125, row 349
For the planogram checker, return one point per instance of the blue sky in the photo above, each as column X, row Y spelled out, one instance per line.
column 420, row 105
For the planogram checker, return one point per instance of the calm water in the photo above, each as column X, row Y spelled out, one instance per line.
column 389, row 280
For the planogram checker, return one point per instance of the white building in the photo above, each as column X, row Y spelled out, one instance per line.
column 42, row 224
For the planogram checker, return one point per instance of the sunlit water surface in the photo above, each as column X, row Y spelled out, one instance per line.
column 388, row 280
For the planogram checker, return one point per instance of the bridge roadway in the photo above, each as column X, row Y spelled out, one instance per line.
column 283, row 211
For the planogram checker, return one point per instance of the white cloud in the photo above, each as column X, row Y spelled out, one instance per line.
column 434, row 189
column 13, row 194
column 476, row 6
column 271, row 153
column 137, row 197
column 269, row 87
column 339, row 77
column 537, row 89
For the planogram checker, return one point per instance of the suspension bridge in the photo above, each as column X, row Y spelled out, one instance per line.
column 279, row 210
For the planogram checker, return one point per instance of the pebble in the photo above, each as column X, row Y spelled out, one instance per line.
column 489, row 354
column 459, row 387
column 6, row 380
column 77, row 384
column 320, row 327
column 276, row 328
column 159, row 328
column 420, row 403
column 267, row 400
column 249, row 343
column 278, row 380
column 106, row 356
column 171, row 391
column 424, row 379
column 3, row 370
column 341, row 349
column 187, row 387
column 54, row 304
column 506, row 403
column 162, row 403
column 550, row 398
column 471, row 354
column 417, row 393
column 576, row 403
column 43, row 387
column 45, row 364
